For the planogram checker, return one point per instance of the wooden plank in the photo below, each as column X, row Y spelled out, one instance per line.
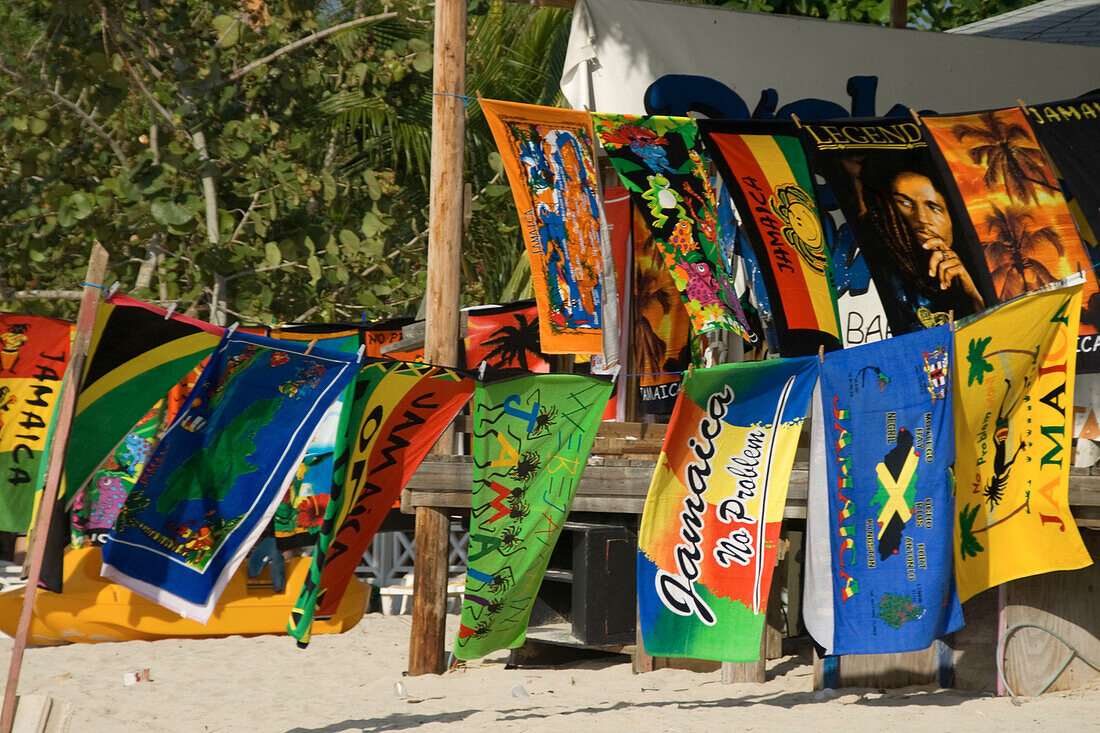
column 32, row 713
column 775, row 626
column 610, row 505
column 66, row 404
column 562, row 634
column 635, row 430
column 820, row 683
column 413, row 335
column 1065, row 603
column 460, row 500
column 641, row 661
column 620, row 486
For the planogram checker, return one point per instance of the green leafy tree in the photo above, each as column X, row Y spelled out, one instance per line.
column 513, row 53
column 187, row 136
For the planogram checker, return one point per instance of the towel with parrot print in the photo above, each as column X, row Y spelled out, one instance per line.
column 660, row 161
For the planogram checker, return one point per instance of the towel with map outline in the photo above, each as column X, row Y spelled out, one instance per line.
column 888, row 584
column 213, row 481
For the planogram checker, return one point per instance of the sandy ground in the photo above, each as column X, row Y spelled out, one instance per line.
column 347, row 683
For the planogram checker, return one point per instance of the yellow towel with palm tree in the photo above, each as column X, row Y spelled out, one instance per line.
column 1013, row 427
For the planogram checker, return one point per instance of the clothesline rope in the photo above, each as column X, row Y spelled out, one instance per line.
column 465, row 99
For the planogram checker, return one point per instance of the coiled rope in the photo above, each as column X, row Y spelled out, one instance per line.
column 1073, row 654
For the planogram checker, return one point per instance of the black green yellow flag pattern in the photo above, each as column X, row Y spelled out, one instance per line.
column 138, row 353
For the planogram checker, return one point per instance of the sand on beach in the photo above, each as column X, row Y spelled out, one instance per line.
column 343, row 683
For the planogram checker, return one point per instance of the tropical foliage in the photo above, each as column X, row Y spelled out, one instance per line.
column 268, row 159
column 242, row 155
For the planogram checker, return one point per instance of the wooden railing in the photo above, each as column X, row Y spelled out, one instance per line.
column 617, row 477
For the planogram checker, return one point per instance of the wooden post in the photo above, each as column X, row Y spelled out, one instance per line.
column 748, row 671
column 97, row 268
column 642, row 662
column 429, row 612
column 899, row 13
column 774, row 624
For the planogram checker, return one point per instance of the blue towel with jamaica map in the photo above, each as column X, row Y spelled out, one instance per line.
column 889, row 452
column 214, row 480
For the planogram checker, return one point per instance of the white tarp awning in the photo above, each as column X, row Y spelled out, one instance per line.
column 618, row 48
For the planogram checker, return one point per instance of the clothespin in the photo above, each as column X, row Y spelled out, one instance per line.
column 821, row 353
column 359, row 354
column 691, row 368
column 951, row 319
column 171, row 309
column 112, row 291
column 232, row 328
column 797, row 122
column 481, row 369
column 310, row 347
column 1023, row 107
column 916, row 117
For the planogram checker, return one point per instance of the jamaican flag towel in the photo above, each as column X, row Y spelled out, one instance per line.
column 137, row 354
column 886, row 583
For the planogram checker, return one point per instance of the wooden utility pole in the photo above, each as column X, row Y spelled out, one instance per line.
column 899, row 13
column 66, row 405
column 429, row 611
